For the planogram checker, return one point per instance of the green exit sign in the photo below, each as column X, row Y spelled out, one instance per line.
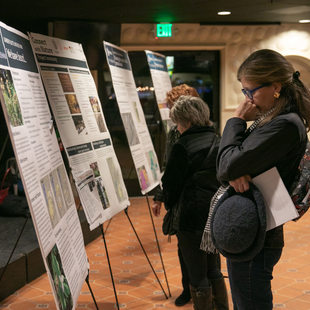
column 164, row 30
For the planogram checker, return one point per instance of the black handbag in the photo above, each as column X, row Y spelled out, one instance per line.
column 170, row 220
column 168, row 224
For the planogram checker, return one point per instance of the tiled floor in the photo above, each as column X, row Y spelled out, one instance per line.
column 136, row 285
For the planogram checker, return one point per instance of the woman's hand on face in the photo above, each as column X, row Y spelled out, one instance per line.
column 247, row 110
column 156, row 207
column 241, row 184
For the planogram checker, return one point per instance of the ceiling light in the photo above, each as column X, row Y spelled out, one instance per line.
column 304, row 21
column 223, row 13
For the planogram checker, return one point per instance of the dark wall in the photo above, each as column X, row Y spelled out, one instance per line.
column 91, row 36
column 27, row 25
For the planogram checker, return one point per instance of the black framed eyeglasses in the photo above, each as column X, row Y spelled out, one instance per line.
column 249, row 92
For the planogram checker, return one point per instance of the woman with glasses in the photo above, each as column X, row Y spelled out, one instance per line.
column 279, row 104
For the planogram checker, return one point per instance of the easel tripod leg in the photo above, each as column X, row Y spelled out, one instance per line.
column 91, row 291
column 15, row 245
column 157, row 242
column 126, row 212
column 110, row 268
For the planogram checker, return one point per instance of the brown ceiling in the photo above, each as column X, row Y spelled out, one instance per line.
column 152, row 11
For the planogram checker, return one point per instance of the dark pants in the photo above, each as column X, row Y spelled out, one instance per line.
column 200, row 266
column 250, row 282
column 185, row 277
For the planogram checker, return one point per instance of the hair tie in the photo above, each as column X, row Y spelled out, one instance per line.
column 296, row 75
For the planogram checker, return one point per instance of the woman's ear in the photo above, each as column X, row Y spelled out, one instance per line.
column 277, row 86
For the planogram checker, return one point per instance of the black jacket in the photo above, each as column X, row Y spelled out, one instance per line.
column 188, row 180
column 279, row 143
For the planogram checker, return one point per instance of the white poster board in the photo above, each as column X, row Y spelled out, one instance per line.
column 41, row 167
column 279, row 205
column 138, row 136
column 162, row 84
column 77, row 110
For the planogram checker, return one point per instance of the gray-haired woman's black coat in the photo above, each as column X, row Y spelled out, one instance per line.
column 188, row 181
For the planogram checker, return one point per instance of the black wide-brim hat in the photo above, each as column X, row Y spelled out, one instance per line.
column 238, row 224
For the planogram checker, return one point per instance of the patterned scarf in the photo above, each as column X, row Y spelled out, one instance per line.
column 206, row 241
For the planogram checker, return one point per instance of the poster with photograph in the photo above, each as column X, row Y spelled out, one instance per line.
column 138, row 136
column 77, row 110
column 41, row 167
column 162, row 84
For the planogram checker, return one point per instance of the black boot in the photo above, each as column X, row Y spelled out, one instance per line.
column 220, row 299
column 202, row 298
column 183, row 299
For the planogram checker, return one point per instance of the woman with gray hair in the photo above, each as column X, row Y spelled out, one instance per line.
column 173, row 136
column 189, row 182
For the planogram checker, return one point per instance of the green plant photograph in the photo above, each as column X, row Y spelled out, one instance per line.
column 10, row 98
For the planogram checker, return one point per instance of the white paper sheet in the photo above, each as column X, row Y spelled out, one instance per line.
column 78, row 113
column 162, row 84
column 138, row 136
column 42, row 169
column 279, row 206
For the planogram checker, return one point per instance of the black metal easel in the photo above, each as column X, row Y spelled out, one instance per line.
column 110, row 268
column 157, row 242
column 126, row 212
column 15, row 245
column 109, row 222
column 91, row 291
